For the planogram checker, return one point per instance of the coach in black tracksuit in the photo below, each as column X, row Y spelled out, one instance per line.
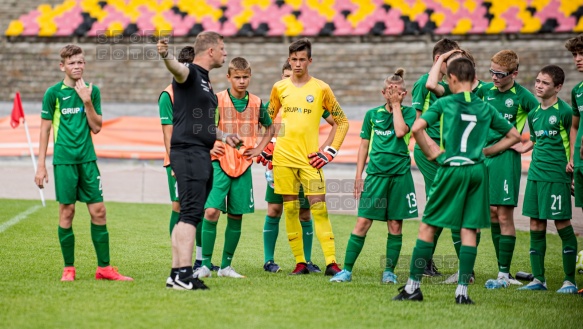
column 193, row 136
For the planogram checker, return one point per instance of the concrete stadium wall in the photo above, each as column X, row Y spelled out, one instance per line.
column 129, row 70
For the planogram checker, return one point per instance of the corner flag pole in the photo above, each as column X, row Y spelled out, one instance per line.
column 40, row 190
column 15, row 118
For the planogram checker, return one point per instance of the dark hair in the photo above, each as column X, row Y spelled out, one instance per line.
column 443, row 46
column 206, row 40
column 286, row 67
column 555, row 72
column 186, row 55
column 301, row 45
column 463, row 69
column 69, row 51
column 462, row 53
column 575, row 44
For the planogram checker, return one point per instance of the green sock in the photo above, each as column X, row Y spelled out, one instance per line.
column 569, row 252
column 232, row 236
column 456, row 237
column 507, row 243
column 467, row 261
column 478, row 238
column 538, row 247
column 67, row 240
column 435, row 238
column 173, row 220
column 421, row 255
column 394, row 243
column 198, row 236
column 100, row 238
column 270, row 233
column 353, row 249
column 308, row 236
column 496, row 232
column 208, row 237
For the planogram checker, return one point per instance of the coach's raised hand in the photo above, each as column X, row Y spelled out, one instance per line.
column 321, row 158
column 162, row 47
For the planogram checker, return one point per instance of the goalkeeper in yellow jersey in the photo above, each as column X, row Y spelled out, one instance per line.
column 297, row 158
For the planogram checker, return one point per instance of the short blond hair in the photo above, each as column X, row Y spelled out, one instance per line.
column 70, row 51
column 239, row 64
column 508, row 59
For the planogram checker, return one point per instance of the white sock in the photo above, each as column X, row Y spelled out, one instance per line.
column 411, row 286
column 198, row 253
column 504, row 275
column 461, row 290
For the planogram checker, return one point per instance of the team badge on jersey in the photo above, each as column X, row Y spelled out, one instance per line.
column 509, row 102
column 310, row 98
column 553, row 120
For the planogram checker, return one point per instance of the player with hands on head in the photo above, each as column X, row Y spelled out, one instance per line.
column 389, row 195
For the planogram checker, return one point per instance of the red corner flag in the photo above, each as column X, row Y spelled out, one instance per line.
column 17, row 111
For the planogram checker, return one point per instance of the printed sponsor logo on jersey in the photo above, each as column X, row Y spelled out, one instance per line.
column 292, row 109
column 72, row 110
column 580, row 108
column 548, row 133
column 383, row 132
column 310, row 98
column 509, row 102
column 553, row 119
column 164, row 118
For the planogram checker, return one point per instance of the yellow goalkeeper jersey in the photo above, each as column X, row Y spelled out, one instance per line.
column 301, row 110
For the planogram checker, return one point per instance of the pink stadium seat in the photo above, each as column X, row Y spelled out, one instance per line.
column 30, row 24
column 513, row 23
column 566, row 24
column 395, row 24
column 228, row 29
column 209, row 24
column 343, row 27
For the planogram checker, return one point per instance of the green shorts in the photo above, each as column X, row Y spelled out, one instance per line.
column 546, row 200
column 272, row 197
column 172, row 185
column 78, row 182
column 385, row 198
column 578, row 179
column 427, row 168
column 459, row 198
column 504, row 172
column 231, row 195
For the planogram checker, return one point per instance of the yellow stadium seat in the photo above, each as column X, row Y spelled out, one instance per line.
column 452, row 5
column 263, row 4
column 293, row 26
column 438, row 18
column 295, row 4
column 14, row 29
column 199, row 9
column 579, row 27
column 324, row 7
column 529, row 24
column 114, row 29
column 540, row 4
column 365, row 8
column 463, row 26
column 243, row 17
column 497, row 25
column 470, row 5
column 568, row 7
column 47, row 29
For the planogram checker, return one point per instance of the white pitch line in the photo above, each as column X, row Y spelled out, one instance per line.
column 14, row 220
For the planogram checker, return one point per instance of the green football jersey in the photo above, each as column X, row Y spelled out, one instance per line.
column 513, row 105
column 422, row 99
column 71, row 132
column 549, row 131
column 165, row 108
column 479, row 90
column 465, row 121
column 577, row 105
column 388, row 155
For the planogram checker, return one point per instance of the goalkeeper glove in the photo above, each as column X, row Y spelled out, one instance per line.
column 266, row 155
column 321, row 158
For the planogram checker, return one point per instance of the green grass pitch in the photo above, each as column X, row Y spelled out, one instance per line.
column 31, row 295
